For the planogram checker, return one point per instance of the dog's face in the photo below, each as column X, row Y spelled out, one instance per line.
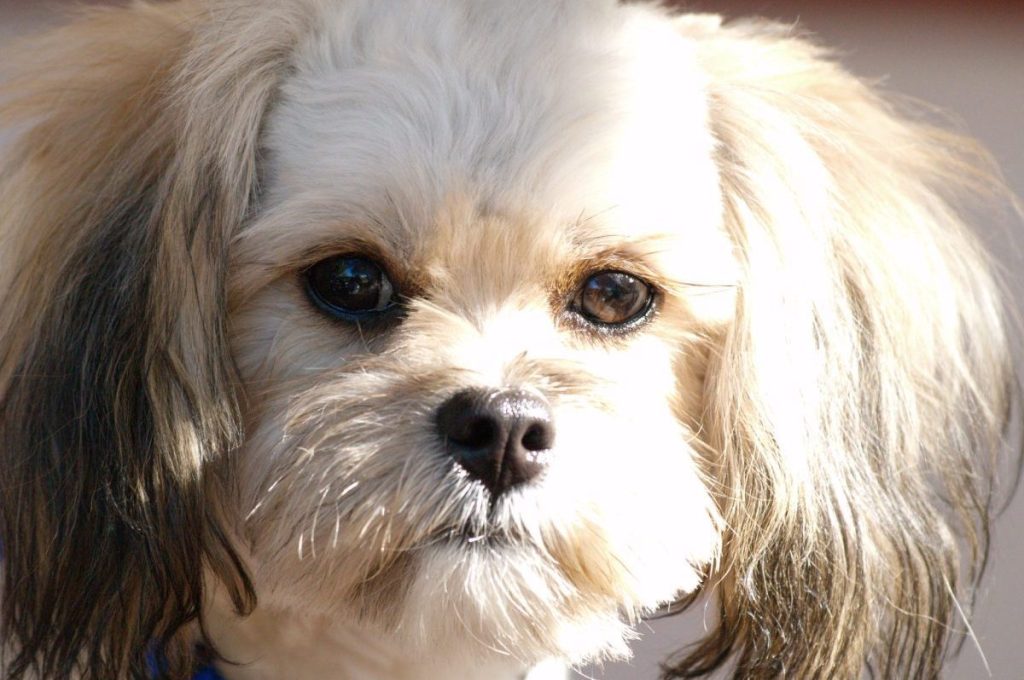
column 488, row 327
column 443, row 227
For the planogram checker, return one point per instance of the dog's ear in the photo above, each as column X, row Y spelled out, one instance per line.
column 136, row 160
column 859, row 401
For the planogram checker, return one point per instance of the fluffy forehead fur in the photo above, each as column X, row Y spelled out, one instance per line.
column 805, row 428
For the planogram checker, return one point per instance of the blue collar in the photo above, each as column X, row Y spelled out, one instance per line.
column 205, row 673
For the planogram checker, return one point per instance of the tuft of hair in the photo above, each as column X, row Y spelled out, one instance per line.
column 135, row 161
column 858, row 405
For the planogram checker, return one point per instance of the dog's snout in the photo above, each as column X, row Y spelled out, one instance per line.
column 498, row 436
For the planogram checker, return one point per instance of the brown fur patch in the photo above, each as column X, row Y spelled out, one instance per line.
column 379, row 597
column 137, row 164
column 583, row 557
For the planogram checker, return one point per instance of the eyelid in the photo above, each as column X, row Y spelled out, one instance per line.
column 369, row 250
column 570, row 280
column 405, row 277
column 632, row 259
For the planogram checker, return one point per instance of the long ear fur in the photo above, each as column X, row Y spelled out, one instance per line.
column 135, row 163
column 859, row 402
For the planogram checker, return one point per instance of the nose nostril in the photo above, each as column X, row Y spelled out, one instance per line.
column 537, row 437
column 479, row 433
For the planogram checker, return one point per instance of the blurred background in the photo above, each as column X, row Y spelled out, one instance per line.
column 965, row 58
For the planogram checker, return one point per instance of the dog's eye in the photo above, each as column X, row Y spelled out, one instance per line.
column 350, row 287
column 613, row 298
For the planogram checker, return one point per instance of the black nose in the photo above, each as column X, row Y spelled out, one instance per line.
column 498, row 436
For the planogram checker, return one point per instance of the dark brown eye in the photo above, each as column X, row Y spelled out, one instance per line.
column 350, row 287
column 613, row 298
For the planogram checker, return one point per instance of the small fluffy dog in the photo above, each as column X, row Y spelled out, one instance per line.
column 422, row 339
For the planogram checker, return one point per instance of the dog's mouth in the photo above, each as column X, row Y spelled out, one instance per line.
column 492, row 523
column 489, row 536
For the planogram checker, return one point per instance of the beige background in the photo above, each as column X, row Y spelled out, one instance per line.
column 969, row 60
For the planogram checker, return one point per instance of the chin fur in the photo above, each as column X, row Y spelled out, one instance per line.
column 801, row 420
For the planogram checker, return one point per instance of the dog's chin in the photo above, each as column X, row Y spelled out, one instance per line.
column 500, row 591
column 484, row 594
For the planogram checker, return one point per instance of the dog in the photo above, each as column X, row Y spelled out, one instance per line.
column 436, row 339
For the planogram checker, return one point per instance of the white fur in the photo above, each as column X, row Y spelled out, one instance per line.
column 570, row 123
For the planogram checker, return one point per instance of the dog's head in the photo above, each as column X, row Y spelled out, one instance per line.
column 492, row 326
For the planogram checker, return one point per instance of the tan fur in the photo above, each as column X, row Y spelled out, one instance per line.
column 807, row 426
column 875, row 290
